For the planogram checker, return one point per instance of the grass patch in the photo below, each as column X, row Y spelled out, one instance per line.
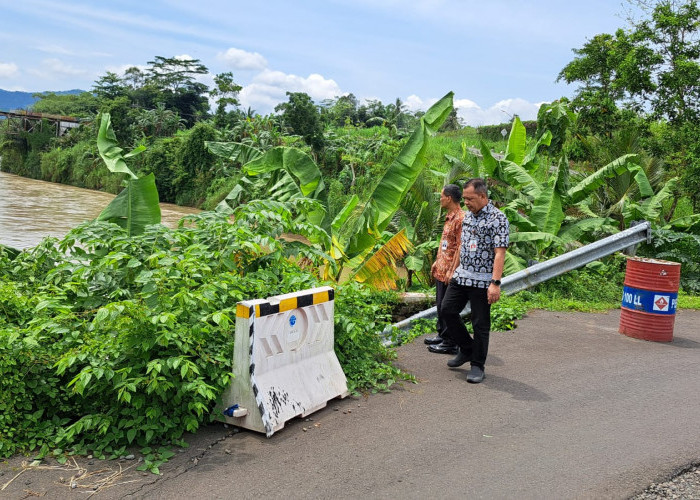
column 686, row 301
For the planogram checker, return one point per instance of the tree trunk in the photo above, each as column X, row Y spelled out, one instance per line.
column 669, row 216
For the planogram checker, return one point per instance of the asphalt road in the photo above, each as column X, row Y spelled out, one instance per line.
column 569, row 409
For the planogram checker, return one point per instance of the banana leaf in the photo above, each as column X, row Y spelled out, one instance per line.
column 545, row 139
column 398, row 179
column 513, row 264
column 234, row 197
column 687, row 223
column 585, row 209
column 110, row 151
column 233, row 151
column 650, row 209
column 654, row 206
column 640, row 177
column 303, row 179
column 576, row 230
column 515, row 150
column 519, row 177
column 135, row 207
column 379, row 269
column 292, row 160
column 597, row 179
column 547, row 212
column 519, row 221
column 489, row 162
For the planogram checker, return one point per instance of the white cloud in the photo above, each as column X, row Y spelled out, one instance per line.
column 242, row 60
column 414, row 103
column 268, row 88
column 465, row 104
column 501, row 112
column 8, row 70
column 55, row 68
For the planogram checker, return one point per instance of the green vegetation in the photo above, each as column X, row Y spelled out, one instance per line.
column 120, row 334
column 109, row 340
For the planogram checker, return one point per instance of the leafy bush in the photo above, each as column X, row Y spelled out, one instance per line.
column 505, row 312
column 677, row 247
column 108, row 341
column 194, row 169
column 361, row 313
column 160, row 158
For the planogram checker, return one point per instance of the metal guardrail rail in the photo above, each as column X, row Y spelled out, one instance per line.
column 551, row 268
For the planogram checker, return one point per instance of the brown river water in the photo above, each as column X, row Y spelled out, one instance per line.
column 31, row 209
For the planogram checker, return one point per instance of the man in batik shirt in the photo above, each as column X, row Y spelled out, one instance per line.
column 450, row 199
column 475, row 278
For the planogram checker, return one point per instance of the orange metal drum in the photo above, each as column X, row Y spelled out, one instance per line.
column 649, row 299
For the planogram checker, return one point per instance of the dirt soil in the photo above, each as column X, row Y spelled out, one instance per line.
column 569, row 408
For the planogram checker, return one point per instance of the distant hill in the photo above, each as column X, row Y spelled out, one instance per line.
column 10, row 100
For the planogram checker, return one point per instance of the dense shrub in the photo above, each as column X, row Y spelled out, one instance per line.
column 677, row 247
column 160, row 158
column 79, row 165
column 194, row 165
column 108, row 341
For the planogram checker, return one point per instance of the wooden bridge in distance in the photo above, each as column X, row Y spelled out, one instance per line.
column 15, row 122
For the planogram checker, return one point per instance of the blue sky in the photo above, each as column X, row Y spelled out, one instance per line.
column 500, row 57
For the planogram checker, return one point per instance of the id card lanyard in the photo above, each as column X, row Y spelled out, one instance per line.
column 473, row 240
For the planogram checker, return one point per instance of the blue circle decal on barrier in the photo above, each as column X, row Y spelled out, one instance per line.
column 292, row 320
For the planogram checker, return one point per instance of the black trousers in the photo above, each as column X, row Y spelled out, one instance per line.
column 440, row 289
column 456, row 297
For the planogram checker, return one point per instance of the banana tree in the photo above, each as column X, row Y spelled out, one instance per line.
column 421, row 218
column 137, row 205
column 358, row 238
column 358, row 227
column 546, row 212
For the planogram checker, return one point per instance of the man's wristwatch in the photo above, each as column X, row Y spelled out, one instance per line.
column 496, row 282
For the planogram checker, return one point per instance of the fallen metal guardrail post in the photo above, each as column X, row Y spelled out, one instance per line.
column 551, row 268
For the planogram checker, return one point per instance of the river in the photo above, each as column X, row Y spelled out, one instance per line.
column 31, row 209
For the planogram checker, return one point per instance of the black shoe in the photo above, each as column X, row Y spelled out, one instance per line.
column 475, row 375
column 443, row 348
column 458, row 360
column 433, row 340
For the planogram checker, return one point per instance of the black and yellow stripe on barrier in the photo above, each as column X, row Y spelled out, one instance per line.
column 266, row 308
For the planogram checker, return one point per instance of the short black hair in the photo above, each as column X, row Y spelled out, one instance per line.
column 453, row 191
column 478, row 184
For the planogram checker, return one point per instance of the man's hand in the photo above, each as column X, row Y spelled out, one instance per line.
column 493, row 293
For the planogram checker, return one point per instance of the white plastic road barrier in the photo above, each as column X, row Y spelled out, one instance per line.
column 284, row 364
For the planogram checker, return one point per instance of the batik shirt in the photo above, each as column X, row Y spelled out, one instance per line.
column 481, row 234
column 449, row 244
